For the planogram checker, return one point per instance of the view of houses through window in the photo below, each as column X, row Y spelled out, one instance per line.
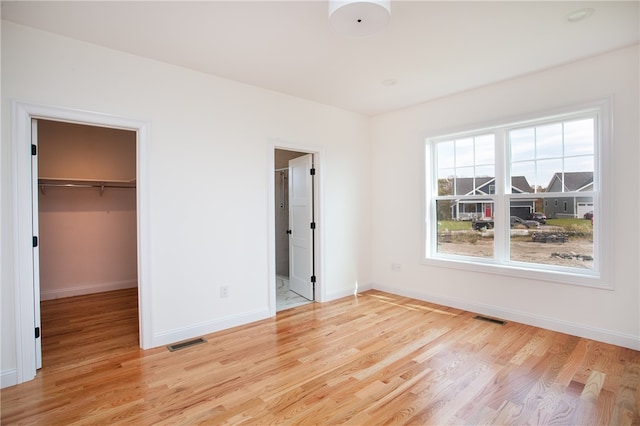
column 517, row 194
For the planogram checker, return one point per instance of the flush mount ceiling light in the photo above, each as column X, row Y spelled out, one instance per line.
column 359, row 18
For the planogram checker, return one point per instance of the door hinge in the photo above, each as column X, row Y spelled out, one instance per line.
column 35, row 241
column 313, row 225
column 312, row 171
column 34, row 149
column 37, row 332
column 313, row 278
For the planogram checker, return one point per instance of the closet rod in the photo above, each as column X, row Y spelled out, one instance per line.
column 101, row 185
column 88, row 185
column 283, row 169
column 85, row 185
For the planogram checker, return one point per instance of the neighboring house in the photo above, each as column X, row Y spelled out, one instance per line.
column 569, row 206
column 483, row 209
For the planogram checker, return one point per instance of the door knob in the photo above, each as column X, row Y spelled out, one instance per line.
column 289, row 231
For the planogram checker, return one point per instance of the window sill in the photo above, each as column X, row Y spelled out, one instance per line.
column 559, row 275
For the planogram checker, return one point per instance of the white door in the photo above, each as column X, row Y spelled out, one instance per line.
column 36, row 245
column 300, row 226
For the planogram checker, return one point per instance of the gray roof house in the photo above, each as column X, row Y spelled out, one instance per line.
column 483, row 209
column 569, row 206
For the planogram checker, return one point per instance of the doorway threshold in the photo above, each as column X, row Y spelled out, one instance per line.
column 285, row 298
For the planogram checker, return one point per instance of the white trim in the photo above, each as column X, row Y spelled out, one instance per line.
column 560, row 275
column 209, row 327
column 318, row 194
column 602, row 276
column 353, row 291
column 271, row 232
column 22, row 214
column 602, row 335
column 8, row 378
column 522, row 120
column 22, row 247
column 82, row 289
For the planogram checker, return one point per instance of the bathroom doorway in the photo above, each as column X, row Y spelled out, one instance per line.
column 294, row 239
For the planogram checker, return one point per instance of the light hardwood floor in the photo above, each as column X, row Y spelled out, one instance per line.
column 372, row 359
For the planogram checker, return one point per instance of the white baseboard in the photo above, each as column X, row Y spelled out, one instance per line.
column 197, row 330
column 8, row 378
column 345, row 292
column 580, row 330
column 79, row 290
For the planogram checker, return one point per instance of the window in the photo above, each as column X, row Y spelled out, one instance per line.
column 489, row 196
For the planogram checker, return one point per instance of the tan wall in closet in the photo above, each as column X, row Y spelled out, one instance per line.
column 75, row 151
column 88, row 241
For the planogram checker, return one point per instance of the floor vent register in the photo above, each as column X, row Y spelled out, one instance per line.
column 488, row 319
column 186, row 344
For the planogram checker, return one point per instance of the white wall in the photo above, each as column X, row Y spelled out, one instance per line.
column 398, row 211
column 205, row 132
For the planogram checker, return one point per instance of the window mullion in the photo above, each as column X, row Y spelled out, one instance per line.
column 501, row 205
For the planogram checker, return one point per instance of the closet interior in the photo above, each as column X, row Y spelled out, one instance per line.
column 87, row 212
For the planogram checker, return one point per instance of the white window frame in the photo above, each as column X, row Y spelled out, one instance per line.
column 601, row 275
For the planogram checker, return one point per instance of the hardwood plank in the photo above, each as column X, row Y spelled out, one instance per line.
column 627, row 398
column 593, row 386
column 374, row 358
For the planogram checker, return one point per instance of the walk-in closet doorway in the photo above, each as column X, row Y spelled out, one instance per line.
column 25, row 245
column 87, row 234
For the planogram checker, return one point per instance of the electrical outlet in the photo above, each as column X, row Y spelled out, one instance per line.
column 395, row 267
column 224, row 291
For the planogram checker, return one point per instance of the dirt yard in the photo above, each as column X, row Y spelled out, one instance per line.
column 576, row 253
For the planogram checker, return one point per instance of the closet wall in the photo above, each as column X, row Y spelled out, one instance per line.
column 87, row 236
column 282, row 158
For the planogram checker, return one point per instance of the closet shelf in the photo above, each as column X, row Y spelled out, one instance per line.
column 45, row 182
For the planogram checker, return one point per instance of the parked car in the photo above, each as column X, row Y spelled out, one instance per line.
column 538, row 217
column 480, row 224
column 516, row 221
column 588, row 215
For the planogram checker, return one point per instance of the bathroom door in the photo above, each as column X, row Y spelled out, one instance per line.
column 301, row 226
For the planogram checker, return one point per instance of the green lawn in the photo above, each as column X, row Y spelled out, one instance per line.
column 577, row 228
column 570, row 221
column 453, row 225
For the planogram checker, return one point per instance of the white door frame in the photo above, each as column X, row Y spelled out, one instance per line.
column 35, row 226
column 301, row 234
column 318, row 196
column 23, row 216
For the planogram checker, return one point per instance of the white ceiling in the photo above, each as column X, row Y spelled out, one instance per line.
column 431, row 49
